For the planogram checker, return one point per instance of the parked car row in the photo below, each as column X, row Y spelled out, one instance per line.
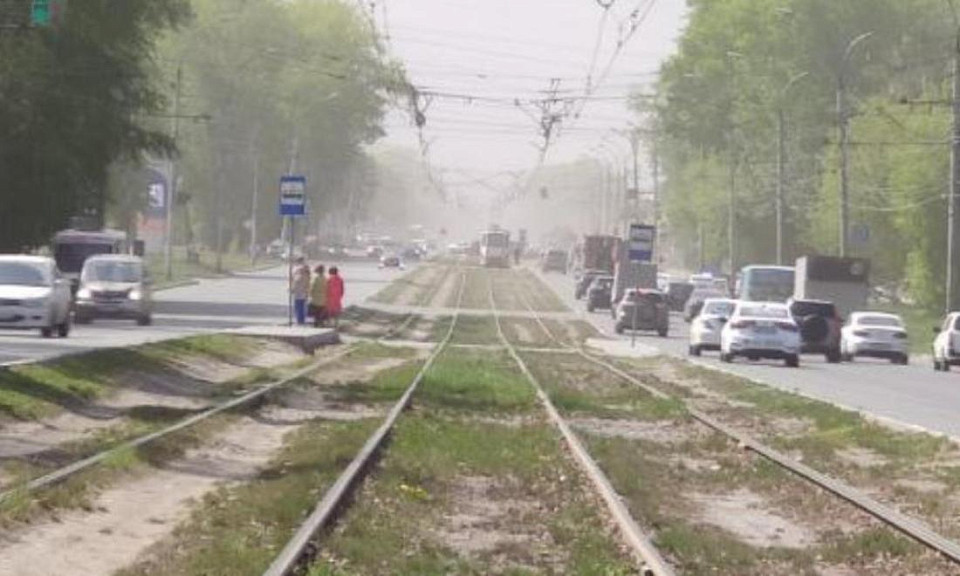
column 34, row 295
column 770, row 330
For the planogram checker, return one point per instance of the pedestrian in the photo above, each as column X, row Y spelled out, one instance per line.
column 335, row 293
column 318, row 297
column 300, row 290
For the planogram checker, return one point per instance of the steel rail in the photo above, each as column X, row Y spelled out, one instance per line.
column 642, row 548
column 292, row 554
column 64, row 473
column 908, row 526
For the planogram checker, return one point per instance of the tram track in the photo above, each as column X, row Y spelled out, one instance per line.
column 910, row 527
column 301, row 548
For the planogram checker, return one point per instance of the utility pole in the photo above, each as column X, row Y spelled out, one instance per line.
column 843, row 122
column 732, row 214
column 253, row 209
column 782, row 162
column 953, row 210
column 635, row 148
column 656, row 202
column 172, row 195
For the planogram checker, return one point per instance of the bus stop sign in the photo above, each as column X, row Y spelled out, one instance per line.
column 293, row 196
column 641, row 242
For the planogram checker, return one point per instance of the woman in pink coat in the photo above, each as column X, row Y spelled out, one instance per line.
column 334, row 294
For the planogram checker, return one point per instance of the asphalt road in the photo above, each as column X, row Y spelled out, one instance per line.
column 237, row 301
column 913, row 395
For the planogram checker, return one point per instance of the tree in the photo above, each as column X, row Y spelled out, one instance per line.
column 71, row 100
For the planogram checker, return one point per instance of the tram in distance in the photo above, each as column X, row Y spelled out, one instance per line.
column 495, row 248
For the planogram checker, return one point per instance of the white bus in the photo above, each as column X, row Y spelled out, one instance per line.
column 766, row 283
column 495, row 249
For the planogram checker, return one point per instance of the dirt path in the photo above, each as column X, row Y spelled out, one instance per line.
column 127, row 519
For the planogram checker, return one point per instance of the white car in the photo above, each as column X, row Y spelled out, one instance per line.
column 761, row 330
column 34, row 296
column 875, row 335
column 946, row 346
column 705, row 329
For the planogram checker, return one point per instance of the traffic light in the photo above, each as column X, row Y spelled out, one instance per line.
column 45, row 13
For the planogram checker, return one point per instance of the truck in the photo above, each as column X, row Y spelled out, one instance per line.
column 843, row 281
column 599, row 253
column 629, row 274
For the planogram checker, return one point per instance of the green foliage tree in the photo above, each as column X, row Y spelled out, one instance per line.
column 71, row 101
column 720, row 97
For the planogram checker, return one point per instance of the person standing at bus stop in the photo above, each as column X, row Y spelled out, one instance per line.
column 318, row 296
column 335, row 291
column 300, row 289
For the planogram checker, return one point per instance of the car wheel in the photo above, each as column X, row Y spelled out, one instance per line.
column 903, row 360
column 695, row 351
column 590, row 308
column 47, row 332
column 793, row 361
column 663, row 333
column 936, row 364
column 619, row 329
column 945, row 366
column 63, row 330
column 833, row 356
column 846, row 358
column 726, row 358
column 144, row 320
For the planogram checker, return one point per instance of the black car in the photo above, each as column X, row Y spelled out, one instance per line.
column 677, row 295
column 600, row 294
column 583, row 284
column 820, row 327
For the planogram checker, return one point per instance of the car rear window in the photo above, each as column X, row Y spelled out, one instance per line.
column 718, row 309
column 813, row 309
column 23, row 274
column 763, row 312
column 880, row 321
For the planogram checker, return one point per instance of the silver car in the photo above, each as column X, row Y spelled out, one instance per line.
column 114, row 286
column 33, row 295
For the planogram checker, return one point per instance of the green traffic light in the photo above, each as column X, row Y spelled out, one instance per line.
column 40, row 13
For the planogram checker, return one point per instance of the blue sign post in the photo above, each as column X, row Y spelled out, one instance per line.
column 639, row 250
column 641, row 241
column 293, row 205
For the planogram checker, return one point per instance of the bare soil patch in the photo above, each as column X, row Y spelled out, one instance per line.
column 355, row 371
column 861, row 457
column 748, row 516
column 661, row 432
column 126, row 519
column 483, row 521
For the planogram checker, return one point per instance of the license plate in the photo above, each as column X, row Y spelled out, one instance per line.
column 880, row 346
column 766, row 343
column 765, row 329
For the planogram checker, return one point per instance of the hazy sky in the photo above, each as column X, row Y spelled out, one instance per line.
column 514, row 49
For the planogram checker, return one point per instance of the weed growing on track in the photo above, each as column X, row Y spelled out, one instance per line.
column 671, row 485
column 219, row 346
column 580, row 388
column 476, row 290
column 475, row 330
column 474, row 381
column 238, row 530
column 455, row 497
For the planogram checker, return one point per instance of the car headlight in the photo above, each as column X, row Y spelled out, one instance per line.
column 136, row 295
column 84, row 294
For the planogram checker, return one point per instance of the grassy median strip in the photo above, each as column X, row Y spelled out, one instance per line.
column 474, row 482
column 33, row 391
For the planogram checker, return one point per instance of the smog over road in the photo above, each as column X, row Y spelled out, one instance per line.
column 330, row 287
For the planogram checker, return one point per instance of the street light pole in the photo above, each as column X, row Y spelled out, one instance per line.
column 172, row 184
column 843, row 120
column 782, row 162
